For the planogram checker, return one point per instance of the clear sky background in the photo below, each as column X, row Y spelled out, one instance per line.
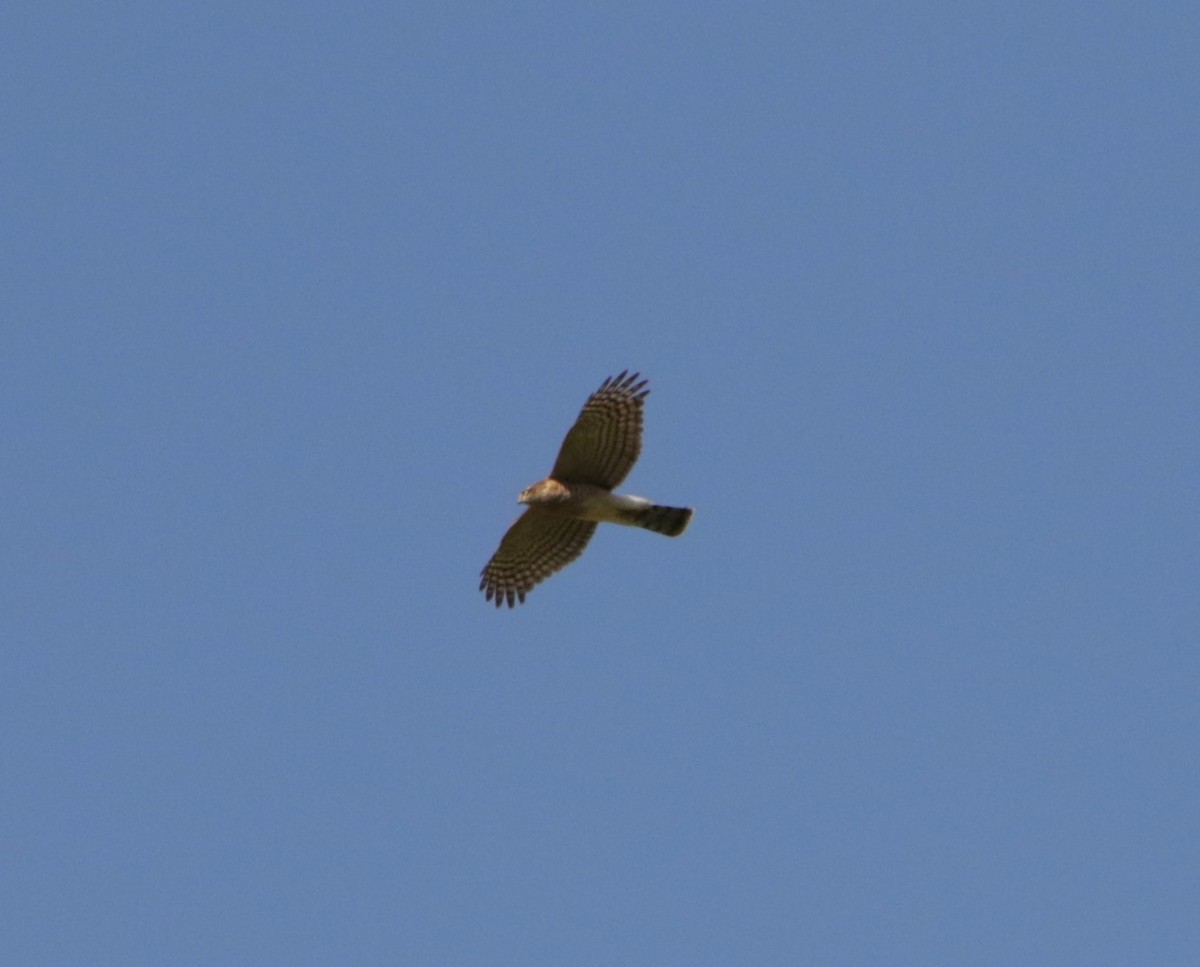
column 294, row 298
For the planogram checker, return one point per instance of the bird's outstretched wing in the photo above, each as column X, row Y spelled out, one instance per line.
column 603, row 445
column 536, row 546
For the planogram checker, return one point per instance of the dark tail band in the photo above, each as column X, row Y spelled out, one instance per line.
column 671, row 521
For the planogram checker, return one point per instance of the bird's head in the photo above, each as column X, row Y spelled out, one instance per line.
column 543, row 492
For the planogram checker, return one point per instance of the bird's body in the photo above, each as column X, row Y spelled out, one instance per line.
column 564, row 509
column 589, row 502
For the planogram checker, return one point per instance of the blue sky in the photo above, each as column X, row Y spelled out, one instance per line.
column 296, row 298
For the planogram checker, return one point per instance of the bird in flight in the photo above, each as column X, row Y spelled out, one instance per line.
column 563, row 510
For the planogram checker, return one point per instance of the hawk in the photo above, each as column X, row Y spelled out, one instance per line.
column 563, row 510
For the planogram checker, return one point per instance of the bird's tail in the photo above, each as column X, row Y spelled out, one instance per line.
column 671, row 521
